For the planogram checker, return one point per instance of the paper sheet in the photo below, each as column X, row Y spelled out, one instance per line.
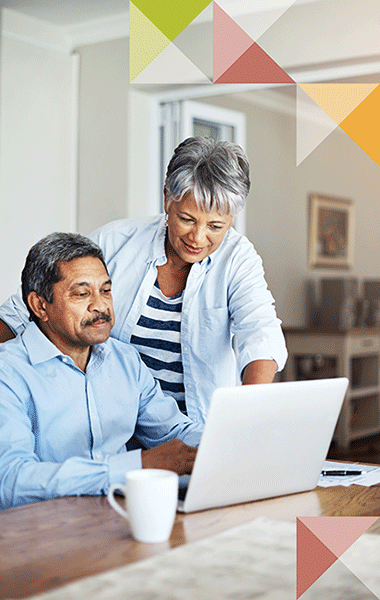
column 370, row 475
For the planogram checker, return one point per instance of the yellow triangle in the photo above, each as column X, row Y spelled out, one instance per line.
column 338, row 100
column 145, row 41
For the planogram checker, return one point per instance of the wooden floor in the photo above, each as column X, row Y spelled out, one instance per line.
column 365, row 450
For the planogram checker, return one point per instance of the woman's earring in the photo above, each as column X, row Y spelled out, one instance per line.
column 166, row 219
column 228, row 235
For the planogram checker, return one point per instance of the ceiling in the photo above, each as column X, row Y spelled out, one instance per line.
column 65, row 13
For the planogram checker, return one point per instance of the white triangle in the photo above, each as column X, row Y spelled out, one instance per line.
column 255, row 22
column 313, row 125
column 363, row 559
column 171, row 66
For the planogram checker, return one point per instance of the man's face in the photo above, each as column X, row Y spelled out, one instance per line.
column 81, row 313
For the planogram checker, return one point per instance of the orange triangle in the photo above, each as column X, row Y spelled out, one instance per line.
column 338, row 100
column 338, row 533
column 363, row 125
column 313, row 558
column 230, row 41
column 254, row 66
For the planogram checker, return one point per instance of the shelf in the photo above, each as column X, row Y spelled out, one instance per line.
column 355, row 354
column 364, row 414
column 363, row 392
column 364, row 371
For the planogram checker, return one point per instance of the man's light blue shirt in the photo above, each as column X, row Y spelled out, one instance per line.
column 63, row 431
column 226, row 295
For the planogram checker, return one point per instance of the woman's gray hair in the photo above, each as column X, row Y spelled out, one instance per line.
column 41, row 270
column 217, row 173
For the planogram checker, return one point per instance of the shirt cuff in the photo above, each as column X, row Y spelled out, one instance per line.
column 119, row 464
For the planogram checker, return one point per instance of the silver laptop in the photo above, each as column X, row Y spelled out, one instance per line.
column 262, row 441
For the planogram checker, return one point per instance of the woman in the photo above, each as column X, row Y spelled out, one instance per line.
column 185, row 283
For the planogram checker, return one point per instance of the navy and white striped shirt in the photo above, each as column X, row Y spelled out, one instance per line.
column 157, row 337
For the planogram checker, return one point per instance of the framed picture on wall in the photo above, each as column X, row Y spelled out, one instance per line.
column 331, row 232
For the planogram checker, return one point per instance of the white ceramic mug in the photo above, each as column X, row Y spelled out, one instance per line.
column 151, row 497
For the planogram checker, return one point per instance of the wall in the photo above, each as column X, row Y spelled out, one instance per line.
column 277, row 207
column 103, row 139
column 35, row 146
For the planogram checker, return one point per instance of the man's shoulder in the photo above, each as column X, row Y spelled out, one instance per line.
column 13, row 355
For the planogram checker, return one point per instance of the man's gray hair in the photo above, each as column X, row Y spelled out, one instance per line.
column 217, row 173
column 41, row 270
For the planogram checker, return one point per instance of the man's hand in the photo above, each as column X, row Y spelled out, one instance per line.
column 174, row 455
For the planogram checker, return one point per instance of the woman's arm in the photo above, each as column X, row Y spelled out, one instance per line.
column 259, row 371
column 6, row 332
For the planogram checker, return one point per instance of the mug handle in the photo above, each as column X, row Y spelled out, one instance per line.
column 112, row 501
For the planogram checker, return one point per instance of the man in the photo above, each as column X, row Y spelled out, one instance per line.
column 70, row 397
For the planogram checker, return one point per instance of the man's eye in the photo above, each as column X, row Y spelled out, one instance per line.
column 107, row 291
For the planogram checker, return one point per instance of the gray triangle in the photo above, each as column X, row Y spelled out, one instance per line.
column 196, row 41
column 338, row 583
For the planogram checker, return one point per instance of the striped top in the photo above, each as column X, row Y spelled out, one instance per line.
column 157, row 337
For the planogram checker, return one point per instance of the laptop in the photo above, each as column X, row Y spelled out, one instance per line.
column 262, row 441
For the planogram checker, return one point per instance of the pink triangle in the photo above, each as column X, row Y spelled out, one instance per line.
column 254, row 66
column 313, row 558
column 230, row 41
column 338, row 533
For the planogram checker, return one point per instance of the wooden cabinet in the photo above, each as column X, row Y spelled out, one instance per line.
column 354, row 354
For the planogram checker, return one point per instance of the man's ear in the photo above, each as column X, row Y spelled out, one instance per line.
column 38, row 306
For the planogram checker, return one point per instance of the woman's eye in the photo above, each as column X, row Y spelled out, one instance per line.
column 215, row 227
column 186, row 220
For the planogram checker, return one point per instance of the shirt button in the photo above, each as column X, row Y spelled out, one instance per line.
column 65, row 359
column 185, row 349
column 184, row 310
column 97, row 455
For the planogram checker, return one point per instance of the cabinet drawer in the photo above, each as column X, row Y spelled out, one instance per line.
column 364, row 344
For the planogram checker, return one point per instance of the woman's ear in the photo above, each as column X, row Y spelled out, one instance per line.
column 166, row 194
column 38, row 305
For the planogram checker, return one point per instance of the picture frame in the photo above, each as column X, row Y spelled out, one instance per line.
column 331, row 232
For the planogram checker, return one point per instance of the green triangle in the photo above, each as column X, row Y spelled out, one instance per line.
column 171, row 16
column 145, row 42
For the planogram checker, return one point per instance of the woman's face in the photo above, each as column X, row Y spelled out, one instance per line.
column 194, row 234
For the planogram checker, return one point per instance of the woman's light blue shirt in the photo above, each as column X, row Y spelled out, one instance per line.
column 226, row 295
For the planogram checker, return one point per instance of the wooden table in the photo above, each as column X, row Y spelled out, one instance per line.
column 51, row 543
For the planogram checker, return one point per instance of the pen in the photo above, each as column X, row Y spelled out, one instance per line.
column 340, row 473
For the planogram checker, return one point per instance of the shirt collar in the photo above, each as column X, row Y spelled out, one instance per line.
column 158, row 248
column 40, row 349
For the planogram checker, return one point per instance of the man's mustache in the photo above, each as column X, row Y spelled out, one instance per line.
column 99, row 317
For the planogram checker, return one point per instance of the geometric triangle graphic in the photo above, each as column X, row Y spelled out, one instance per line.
column 338, row 533
column 145, row 41
column 170, row 16
column 189, row 44
column 230, row 41
column 363, row 559
column 255, row 24
column 254, row 66
column 338, row 100
column 338, row 582
column 171, row 66
column 313, row 125
column 363, row 125
column 313, row 558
